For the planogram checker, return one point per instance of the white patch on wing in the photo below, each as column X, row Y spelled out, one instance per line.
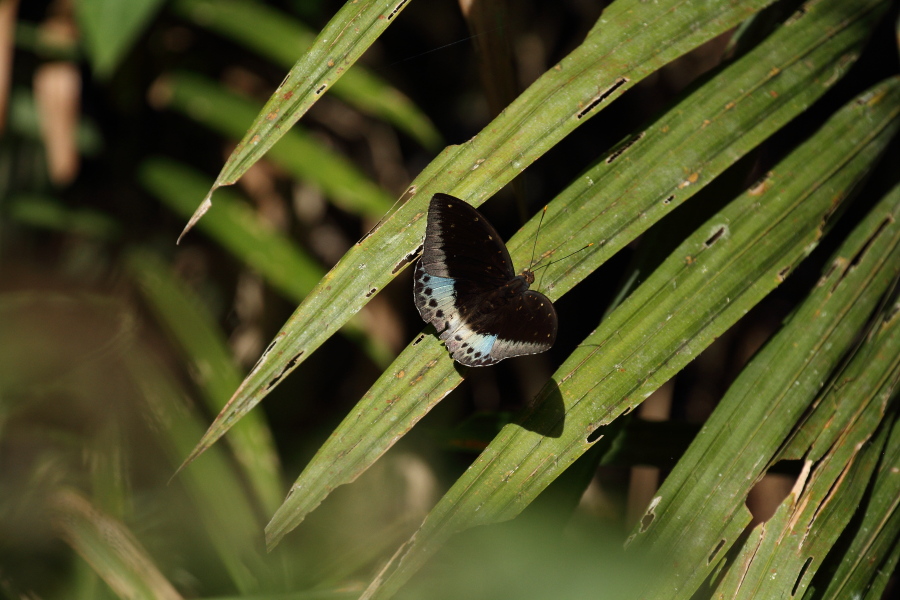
column 466, row 346
column 509, row 348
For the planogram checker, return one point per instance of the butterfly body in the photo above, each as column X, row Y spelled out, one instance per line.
column 465, row 286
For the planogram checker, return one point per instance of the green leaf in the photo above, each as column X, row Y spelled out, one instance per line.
column 111, row 27
column 279, row 37
column 212, row 365
column 352, row 30
column 872, row 554
column 786, row 552
column 711, row 280
column 616, row 200
column 563, row 98
column 700, row 511
column 229, row 114
column 111, row 550
column 286, row 266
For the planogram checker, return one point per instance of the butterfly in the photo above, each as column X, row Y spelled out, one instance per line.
column 465, row 286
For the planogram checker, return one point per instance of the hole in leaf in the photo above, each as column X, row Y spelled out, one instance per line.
column 397, row 9
column 616, row 154
column 603, row 96
column 827, row 274
column 801, row 12
column 892, row 313
column 712, row 555
column 862, row 251
column 800, row 575
column 783, row 273
column 407, row 259
column 648, row 517
column 770, row 491
column 284, row 371
column 719, row 232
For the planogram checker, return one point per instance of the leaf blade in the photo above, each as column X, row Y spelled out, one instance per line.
column 278, row 37
column 422, row 375
column 562, row 99
column 343, row 40
column 643, row 342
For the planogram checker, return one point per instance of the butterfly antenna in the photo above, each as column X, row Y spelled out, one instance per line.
column 558, row 260
column 403, row 198
column 534, row 248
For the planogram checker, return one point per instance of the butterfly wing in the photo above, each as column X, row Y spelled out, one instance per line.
column 525, row 323
column 459, row 288
column 461, row 244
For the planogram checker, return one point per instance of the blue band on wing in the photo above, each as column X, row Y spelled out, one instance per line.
column 435, row 299
column 441, row 287
column 467, row 346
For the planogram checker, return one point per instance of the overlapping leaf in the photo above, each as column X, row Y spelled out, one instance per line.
column 613, row 202
column 785, row 553
column 336, row 49
column 599, row 70
column 279, row 37
column 871, row 557
column 700, row 513
column 712, row 279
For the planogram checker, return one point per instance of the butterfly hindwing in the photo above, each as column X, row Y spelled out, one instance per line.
column 527, row 325
column 466, row 287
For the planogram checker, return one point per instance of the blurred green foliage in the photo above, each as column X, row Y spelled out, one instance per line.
column 118, row 348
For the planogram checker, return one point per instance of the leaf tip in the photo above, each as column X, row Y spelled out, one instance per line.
column 201, row 210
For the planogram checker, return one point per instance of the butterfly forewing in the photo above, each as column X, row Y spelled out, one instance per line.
column 465, row 285
column 461, row 244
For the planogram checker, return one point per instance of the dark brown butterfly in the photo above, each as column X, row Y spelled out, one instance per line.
column 465, row 286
